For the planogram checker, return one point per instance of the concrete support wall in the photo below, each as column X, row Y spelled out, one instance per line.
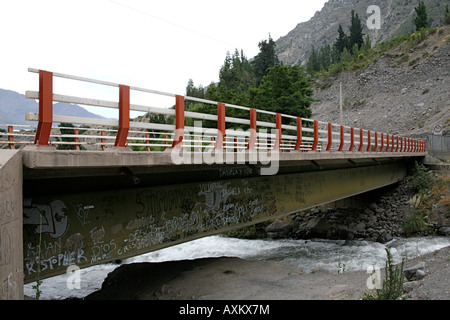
column 11, row 239
column 88, row 228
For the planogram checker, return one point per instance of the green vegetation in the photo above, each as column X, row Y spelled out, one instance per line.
column 446, row 15
column 329, row 61
column 392, row 287
column 421, row 20
column 415, row 225
column 430, row 191
column 66, row 129
column 423, row 179
column 263, row 83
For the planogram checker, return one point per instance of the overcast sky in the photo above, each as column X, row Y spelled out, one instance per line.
column 158, row 45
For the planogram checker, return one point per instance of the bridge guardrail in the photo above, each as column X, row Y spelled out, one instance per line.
column 301, row 135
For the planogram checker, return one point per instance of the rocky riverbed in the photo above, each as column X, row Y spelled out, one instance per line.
column 383, row 217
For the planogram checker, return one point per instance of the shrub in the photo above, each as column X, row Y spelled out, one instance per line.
column 415, row 224
column 422, row 178
column 392, row 287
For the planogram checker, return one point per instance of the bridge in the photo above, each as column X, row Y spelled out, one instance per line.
column 131, row 187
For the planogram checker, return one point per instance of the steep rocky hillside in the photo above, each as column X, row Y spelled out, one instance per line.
column 405, row 91
column 397, row 17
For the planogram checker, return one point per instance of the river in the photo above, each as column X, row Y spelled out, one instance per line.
column 332, row 255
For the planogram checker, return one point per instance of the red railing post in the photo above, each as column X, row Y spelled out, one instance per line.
column 387, row 143
column 298, row 144
column 352, row 139
column 45, row 108
column 382, row 142
column 392, row 147
column 330, row 137
column 102, row 133
column 220, row 125
column 396, row 147
column 376, row 142
column 166, row 145
column 316, row 136
column 124, row 116
column 76, row 139
column 341, row 146
column 11, row 138
column 361, row 140
column 368, row 141
column 252, row 139
column 278, row 132
column 147, row 136
column 179, row 121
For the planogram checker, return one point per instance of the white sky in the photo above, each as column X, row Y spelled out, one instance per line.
column 158, row 45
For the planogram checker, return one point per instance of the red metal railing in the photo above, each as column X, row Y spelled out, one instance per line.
column 305, row 135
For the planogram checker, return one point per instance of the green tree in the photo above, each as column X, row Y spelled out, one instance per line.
column 265, row 59
column 447, row 15
column 66, row 129
column 367, row 45
column 421, row 19
column 313, row 64
column 342, row 40
column 286, row 90
column 356, row 35
column 325, row 57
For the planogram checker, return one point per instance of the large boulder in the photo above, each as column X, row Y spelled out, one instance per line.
column 278, row 229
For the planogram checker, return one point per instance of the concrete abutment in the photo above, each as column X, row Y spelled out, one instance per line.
column 11, row 217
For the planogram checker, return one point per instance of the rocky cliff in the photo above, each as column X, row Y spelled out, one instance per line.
column 404, row 91
column 397, row 17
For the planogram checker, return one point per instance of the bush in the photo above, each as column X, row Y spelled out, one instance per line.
column 422, row 178
column 392, row 288
column 415, row 224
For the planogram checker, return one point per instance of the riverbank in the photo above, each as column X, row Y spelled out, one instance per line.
column 229, row 278
column 399, row 210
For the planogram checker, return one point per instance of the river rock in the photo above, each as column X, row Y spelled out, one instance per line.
column 278, row 229
column 318, row 226
column 416, row 272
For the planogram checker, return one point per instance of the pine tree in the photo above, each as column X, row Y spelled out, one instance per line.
column 367, row 44
column 313, row 64
column 421, row 19
column 342, row 40
column 325, row 58
column 356, row 35
column 284, row 89
column 265, row 59
column 447, row 15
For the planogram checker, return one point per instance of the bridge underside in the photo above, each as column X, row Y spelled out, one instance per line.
column 94, row 212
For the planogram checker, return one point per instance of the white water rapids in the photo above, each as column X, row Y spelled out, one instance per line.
column 332, row 255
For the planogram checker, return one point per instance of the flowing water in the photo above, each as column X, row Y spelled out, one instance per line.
column 332, row 255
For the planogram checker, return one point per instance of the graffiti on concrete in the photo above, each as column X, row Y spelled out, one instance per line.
column 51, row 219
column 97, row 227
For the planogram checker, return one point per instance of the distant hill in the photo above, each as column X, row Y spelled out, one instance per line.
column 13, row 107
column 397, row 18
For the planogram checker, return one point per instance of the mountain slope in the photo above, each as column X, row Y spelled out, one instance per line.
column 405, row 91
column 397, row 17
column 13, row 107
